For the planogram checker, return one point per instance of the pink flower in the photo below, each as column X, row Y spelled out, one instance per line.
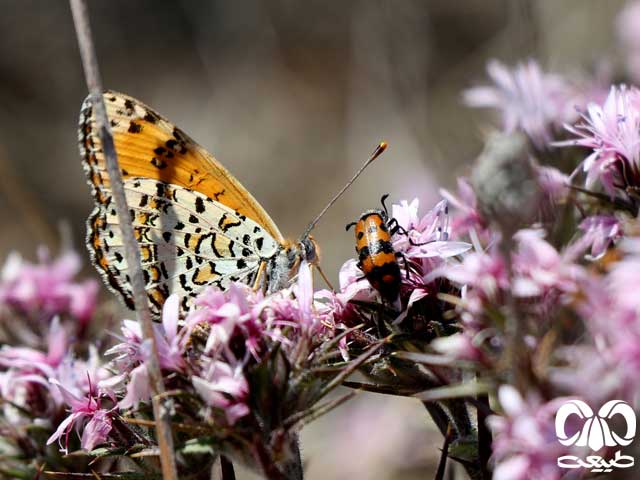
column 29, row 371
column 483, row 277
column 459, row 346
column 353, row 285
column 86, row 415
column 623, row 282
column 229, row 313
column 468, row 216
column 612, row 132
column 225, row 387
column 133, row 352
column 29, row 361
column 48, row 287
column 525, row 446
column 600, row 231
column 553, row 183
column 528, row 99
column 427, row 238
column 169, row 341
column 540, row 269
column 138, row 388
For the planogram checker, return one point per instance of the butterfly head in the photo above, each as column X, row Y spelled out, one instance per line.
column 309, row 250
column 305, row 249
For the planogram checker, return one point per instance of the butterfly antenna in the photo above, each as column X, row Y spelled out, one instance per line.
column 376, row 153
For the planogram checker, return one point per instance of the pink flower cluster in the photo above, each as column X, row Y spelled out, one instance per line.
column 45, row 382
column 528, row 99
column 538, row 308
column 525, row 446
column 611, row 131
column 48, row 288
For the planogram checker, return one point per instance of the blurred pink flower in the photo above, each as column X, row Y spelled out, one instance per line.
column 29, row 372
column 86, row 415
column 606, row 367
column 525, row 446
column 539, row 269
column 623, row 281
column 225, row 387
column 48, row 288
column 600, row 232
column 28, row 361
column 553, row 183
column 459, row 346
column 483, row 278
column 138, row 388
column 612, row 132
column 528, row 99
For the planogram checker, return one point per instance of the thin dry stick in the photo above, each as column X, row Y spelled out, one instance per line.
column 161, row 407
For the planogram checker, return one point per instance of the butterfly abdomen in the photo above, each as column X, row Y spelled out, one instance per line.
column 376, row 256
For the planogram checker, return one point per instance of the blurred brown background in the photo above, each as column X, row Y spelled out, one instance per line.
column 291, row 96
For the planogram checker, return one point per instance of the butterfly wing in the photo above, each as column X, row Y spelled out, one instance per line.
column 150, row 146
column 195, row 224
column 187, row 241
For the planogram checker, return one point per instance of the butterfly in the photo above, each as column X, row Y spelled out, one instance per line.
column 195, row 224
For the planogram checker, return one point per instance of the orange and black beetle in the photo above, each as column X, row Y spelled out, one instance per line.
column 376, row 257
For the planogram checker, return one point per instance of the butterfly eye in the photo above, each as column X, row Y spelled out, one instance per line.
column 308, row 250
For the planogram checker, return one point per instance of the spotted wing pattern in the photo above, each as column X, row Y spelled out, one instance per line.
column 150, row 146
column 195, row 223
column 187, row 241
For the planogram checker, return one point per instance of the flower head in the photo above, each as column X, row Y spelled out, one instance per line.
column 48, row 287
column 224, row 386
column 87, row 415
column 132, row 354
column 230, row 313
column 599, row 232
column 467, row 215
column 611, row 131
column 540, row 269
column 525, row 446
column 528, row 99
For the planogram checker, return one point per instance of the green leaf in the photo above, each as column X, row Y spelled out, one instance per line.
column 464, row 449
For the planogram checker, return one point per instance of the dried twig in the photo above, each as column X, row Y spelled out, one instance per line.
column 161, row 407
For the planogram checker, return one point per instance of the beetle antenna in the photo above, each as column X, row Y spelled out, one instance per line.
column 376, row 153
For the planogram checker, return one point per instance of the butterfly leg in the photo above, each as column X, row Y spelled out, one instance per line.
column 259, row 274
column 324, row 277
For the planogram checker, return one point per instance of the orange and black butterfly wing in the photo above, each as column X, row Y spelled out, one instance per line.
column 194, row 222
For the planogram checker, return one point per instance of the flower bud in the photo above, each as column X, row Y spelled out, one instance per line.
column 506, row 183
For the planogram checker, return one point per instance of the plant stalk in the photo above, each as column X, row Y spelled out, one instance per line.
column 161, row 406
